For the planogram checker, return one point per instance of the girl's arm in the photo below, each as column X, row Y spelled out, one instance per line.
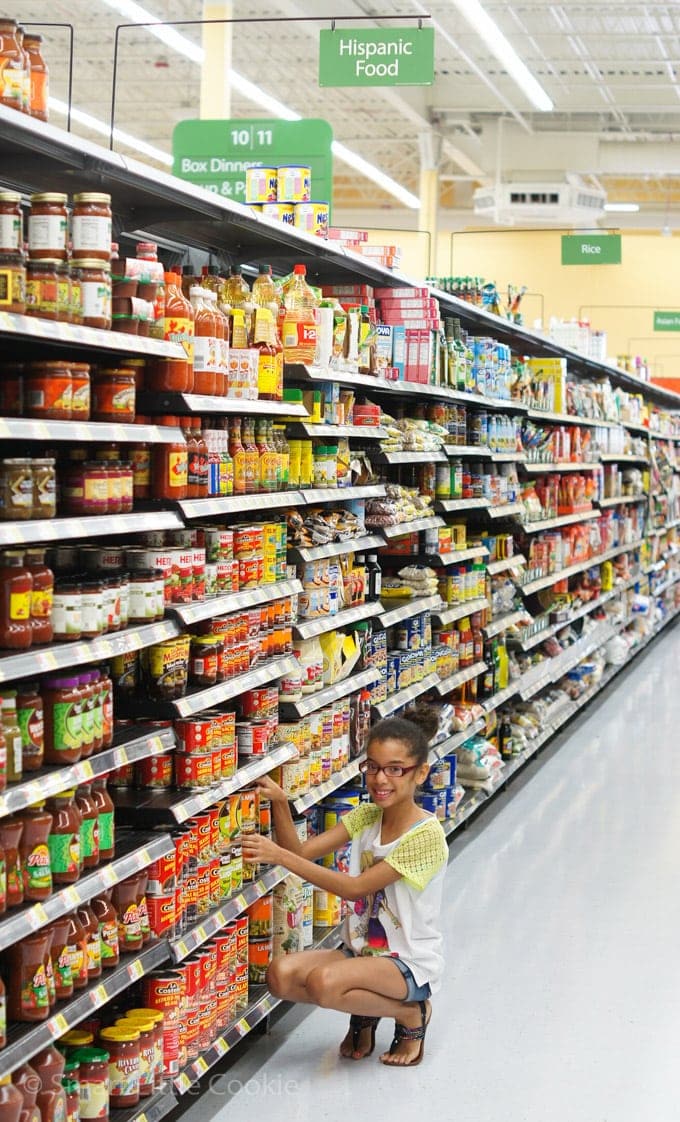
column 256, row 847
column 286, row 834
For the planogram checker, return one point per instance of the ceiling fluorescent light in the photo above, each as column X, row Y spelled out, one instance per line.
column 95, row 125
column 135, row 13
column 622, row 208
column 491, row 34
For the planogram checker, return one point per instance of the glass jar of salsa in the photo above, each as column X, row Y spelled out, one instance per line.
column 11, row 222
column 16, row 490
column 80, row 392
column 122, row 1045
column 42, row 288
column 48, row 391
column 13, row 282
column 113, row 394
column 48, row 226
column 16, row 588
column 91, row 226
column 95, row 292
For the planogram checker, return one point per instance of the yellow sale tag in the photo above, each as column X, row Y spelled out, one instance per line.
column 202, row 933
column 183, row 1083
column 122, row 756
column 243, row 1026
column 71, row 895
column 86, row 770
column 201, row 1065
column 220, row 1046
column 141, row 1117
column 109, row 875
column 101, row 994
column 183, row 949
column 38, row 916
column 58, row 1025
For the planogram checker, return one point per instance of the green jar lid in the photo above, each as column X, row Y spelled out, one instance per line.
column 91, row 1056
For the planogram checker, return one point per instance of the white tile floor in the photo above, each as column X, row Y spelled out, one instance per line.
column 562, row 917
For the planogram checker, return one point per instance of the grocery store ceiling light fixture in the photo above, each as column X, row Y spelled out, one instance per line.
column 491, row 34
column 135, row 13
column 622, row 208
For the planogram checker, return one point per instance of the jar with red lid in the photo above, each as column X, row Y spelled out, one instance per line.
column 27, row 996
column 113, row 394
column 34, row 854
column 16, row 587
column 48, row 226
column 122, row 1044
column 91, row 226
column 95, row 292
column 42, row 288
column 13, row 282
column 31, row 718
column 48, row 391
column 62, row 701
column 80, row 391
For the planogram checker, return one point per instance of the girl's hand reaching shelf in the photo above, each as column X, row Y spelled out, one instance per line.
column 259, row 849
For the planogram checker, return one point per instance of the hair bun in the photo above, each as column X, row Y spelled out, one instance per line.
column 425, row 716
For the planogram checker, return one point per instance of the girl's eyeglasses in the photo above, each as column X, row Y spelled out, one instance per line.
column 392, row 771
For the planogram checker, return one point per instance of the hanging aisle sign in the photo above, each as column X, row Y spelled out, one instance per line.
column 667, row 321
column 216, row 154
column 356, row 56
column 591, row 249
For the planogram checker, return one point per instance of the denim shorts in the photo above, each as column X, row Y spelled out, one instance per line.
column 414, row 992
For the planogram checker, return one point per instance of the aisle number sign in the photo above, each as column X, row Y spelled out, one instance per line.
column 591, row 249
column 356, row 56
column 216, row 154
column 667, row 321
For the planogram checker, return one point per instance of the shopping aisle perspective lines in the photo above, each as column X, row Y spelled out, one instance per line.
column 561, row 916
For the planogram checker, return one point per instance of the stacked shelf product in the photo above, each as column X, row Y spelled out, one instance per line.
column 437, row 574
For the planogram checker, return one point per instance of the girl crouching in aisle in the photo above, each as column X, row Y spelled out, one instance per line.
column 391, row 960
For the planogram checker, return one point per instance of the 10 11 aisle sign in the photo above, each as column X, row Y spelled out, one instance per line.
column 216, row 154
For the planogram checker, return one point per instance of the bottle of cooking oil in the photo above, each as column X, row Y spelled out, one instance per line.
column 264, row 294
column 300, row 323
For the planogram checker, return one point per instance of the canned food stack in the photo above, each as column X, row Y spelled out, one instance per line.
column 323, row 740
column 284, row 194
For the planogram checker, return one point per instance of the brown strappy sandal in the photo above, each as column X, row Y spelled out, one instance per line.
column 356, row 1026
column 401, row 1032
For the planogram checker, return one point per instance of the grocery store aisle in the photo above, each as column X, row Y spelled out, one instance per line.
column 562, row 919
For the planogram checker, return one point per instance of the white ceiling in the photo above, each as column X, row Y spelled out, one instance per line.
column 612, row 70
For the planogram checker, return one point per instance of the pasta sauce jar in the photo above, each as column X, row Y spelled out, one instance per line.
column 91, row 226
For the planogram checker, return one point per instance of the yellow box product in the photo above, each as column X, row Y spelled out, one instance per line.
column 327, row 909
column 553, row 373
column 458, row 535
column 445, row 539
column 306, row 463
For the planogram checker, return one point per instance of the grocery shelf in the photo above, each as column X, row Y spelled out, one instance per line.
column 237, row 504
column 25, row 428
column 435, row 456
column 505, row 563
column 62, row 529
column 162, row 807
column 235, row 601
column 453, row 506
column 299, row 372
column 620, row 500
column 33, row 329
column 313, row 701
column 218, row 918
column 445, row 747
column 307, row 629
column 430, row 522
column 458, row 451
column 339, row 779
column 152, row 1109
column 451, row 557
column 402, row 697
column 503, row 623
column 216, row 695
column 50, row 781
column 343, row 494
column 446, row 686
column 538, row 583
column 623, row 458
column 548, row 467
column 561, row 520
column 508, row 457
column 260, row 1006
column 505, row 510
column 500, row 697
column 407, row 609
column 138, row 851
column 185, row 404
column 360, row 432
column 450, row 613
column 570, row 418
column 635, row 426
column 303, row 554
column 25, row 1040
column 57, row 656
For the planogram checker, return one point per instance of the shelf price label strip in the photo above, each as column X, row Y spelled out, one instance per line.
column 57, row 529
column 447, row 615
column 505, row 563
column 446, row 747
column 390, row 616
column 447, row 685
column 195, row 703
column 236, row 601
column 402, row 528
column 307, row 629
column 227, row 911
column 402, row 697
column 305, row 554
column 241, row 778
column 332, row 693
column 304, row 802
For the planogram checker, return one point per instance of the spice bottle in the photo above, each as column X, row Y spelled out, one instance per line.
column 93, row 945
column 34, row 854
column 64, row 839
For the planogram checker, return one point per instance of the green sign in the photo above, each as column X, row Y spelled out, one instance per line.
column 217, row 154
column 591, row 249
column 667, row 321
column 355, row 56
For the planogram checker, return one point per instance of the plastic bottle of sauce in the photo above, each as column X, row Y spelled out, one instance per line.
column 88, row 691
column 107, row 918
column 12, row 734
column 64, row 840
column 25, row 1079
column 62, row 702
column 97, row 712
column 76, row 949
column 142, row 882
column 34, row 854
column 299, row 334
column 106, row 812
column 11, row 1101
column 107, row 707
column 32, row 725
column 170, row 468
column 238, row 456
column 11, row 830
column 90, row 925
column 178, row 322
column 252, row 460
column 27, row 995
column 193, row 459
column 222, row 327
column 61, row 964
column 16, row 588
column 89, row 828
column 202, row 448
column 267, row 457
column 206, row 346
column 39, row 80
column 124, row 900
column 236, row 294
column 51, row 1100
column 41, row 596
column 263, row 330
